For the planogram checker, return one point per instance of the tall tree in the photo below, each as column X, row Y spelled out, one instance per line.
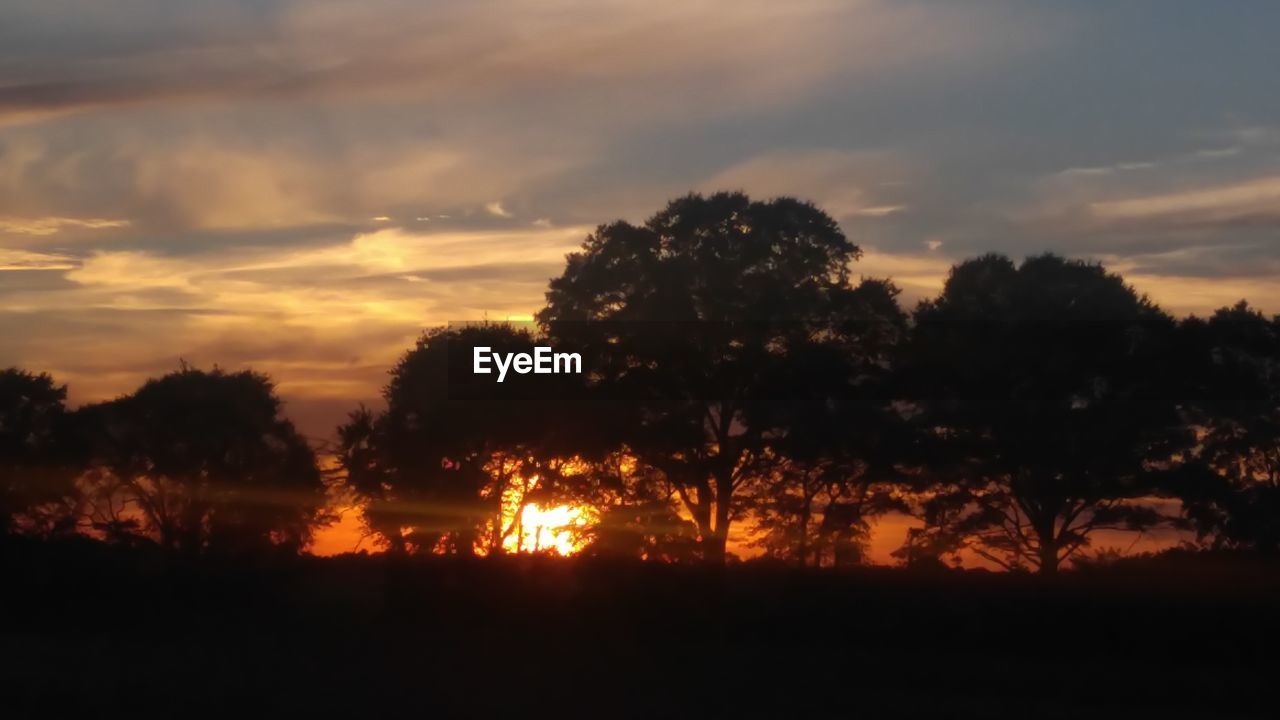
column 844, row 439
column 436, row 466
column 1047, row 387
column 37, row 466
column 203, row 461
column 1230, row 485
column 693, row 325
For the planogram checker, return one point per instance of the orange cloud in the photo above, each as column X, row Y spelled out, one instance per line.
column 325, row 321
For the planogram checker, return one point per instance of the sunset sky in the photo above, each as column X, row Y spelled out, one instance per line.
column 301, row 187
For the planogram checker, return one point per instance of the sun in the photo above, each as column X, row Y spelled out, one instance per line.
column 558, row 530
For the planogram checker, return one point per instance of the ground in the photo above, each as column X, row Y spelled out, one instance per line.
column 87, row 630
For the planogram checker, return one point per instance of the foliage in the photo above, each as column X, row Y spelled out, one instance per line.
column 694, row 326
column 203, row 461
column 435, row 466
column 39, row 461
column 1231, row 482
column 1046, row 394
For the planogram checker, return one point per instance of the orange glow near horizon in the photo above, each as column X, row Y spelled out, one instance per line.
column 558, row 530
column 535, row 527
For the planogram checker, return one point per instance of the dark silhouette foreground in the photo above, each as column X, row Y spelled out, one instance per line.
column 86, row 628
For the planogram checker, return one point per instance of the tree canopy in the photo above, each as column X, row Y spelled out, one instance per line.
column 1045, row 392
column 697, row 326
column 204, row 461
column 437, row 464
column 1231, row 481
column 38, row 456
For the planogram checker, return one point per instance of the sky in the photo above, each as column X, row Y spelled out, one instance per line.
column 302, row 187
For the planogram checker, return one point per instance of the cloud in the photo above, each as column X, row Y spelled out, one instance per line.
column 1197, row 185
column 132, row 271
column 1214, row 153
column 1216, row 203
column 845, row 184
column 495, row 208
column 351, row 281
column 1256, row 200
column 326, row 320
column 14, row 259
column 878, row 211
column 52, row 225
column 1106, row 169
column 465, row 51
column 215, row 179
column 258, row 117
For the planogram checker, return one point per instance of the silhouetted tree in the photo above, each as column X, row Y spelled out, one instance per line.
column 692, row 326
column 843, row 438
column 1231, row 482
column 203, row 461
column 436, row 466
column 38, row 466
column 1046, row 385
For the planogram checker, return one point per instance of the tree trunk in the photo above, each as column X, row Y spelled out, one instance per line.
column 714, row 542
column 1048, row 555
column 713, row 548
column 806, row 514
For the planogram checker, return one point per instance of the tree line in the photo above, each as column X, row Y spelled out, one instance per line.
column 736, row 373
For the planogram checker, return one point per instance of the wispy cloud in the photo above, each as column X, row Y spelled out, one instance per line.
column 878, row 211
column 1106, row 169
column 52, row 225
column 1256, row 200
column 13, row 259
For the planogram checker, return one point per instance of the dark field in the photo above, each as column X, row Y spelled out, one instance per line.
column 89, row 630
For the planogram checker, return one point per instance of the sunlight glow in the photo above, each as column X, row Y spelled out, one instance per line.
column 557, row 530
